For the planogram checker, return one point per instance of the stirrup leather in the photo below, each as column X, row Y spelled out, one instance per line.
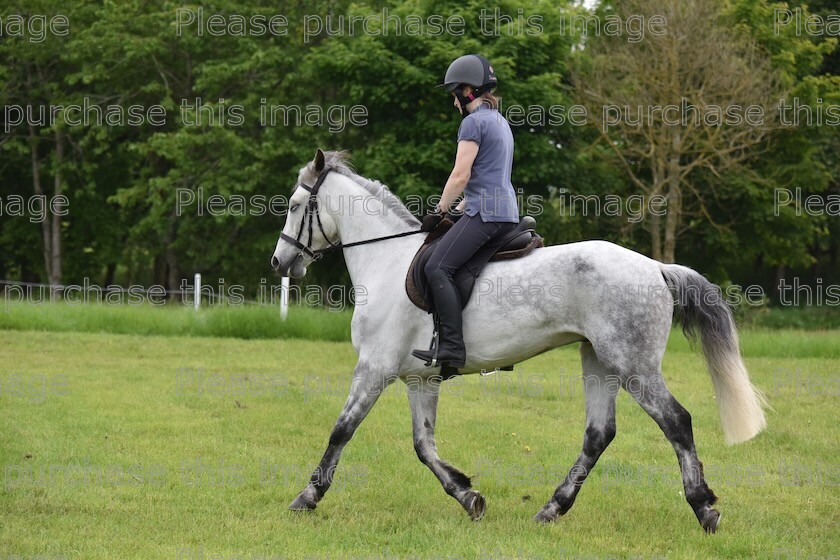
column 435, row 344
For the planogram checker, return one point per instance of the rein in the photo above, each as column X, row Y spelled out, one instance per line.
column 312, row 209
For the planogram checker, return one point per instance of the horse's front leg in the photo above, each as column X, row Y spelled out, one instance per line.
column 423, row 398
column 368, row 383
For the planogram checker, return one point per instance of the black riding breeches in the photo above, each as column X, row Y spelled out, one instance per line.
column 469, row 242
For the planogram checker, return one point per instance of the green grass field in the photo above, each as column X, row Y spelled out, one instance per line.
column 130, row 446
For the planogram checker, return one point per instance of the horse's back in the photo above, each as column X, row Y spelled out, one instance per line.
column 591, row 261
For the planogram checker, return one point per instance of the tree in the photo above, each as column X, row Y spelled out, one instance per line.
column 677, row 102
column 33, row 74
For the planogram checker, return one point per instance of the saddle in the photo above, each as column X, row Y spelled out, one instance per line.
column 518, row 243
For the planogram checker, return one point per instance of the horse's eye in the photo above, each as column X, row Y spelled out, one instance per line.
column 294, row 207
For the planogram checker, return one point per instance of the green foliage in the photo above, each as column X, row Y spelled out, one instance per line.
column 246, row 322
column 123, row 181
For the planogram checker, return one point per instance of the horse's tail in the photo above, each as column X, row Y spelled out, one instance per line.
column 700, row 306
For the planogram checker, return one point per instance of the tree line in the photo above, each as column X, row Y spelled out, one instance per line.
column 710, row 122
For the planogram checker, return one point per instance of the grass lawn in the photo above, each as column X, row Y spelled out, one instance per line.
column 128, row 446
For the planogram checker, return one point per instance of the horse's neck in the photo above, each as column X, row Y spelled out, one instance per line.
column 363, row 217
column 387, row 260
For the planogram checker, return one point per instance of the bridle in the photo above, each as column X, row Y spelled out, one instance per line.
column 312, row 209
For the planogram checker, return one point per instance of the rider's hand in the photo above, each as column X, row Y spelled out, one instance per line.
column 430, row 221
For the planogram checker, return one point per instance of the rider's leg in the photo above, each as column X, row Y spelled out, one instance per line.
column 461, row 242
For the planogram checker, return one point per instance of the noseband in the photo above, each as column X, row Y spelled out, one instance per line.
column 312, row 209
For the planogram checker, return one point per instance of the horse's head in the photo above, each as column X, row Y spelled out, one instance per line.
column 309, row 228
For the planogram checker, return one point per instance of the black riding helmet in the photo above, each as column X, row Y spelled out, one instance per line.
column 473, row 70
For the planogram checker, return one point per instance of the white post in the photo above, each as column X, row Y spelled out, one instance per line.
column 197, row 290
column 284, row 297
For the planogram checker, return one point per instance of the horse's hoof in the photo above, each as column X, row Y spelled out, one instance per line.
column 475, row 505
column 710, row 519
column 547, row 514
column 302, row 504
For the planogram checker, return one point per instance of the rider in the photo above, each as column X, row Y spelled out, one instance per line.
column 482, row 172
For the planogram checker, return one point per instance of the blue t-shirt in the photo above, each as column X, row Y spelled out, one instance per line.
column 489, row 191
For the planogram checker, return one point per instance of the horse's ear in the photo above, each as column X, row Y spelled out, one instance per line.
column 319, row 161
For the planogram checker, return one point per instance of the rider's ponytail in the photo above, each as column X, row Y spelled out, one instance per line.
column 490, row 99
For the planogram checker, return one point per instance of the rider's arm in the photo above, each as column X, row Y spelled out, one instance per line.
column 467, row 150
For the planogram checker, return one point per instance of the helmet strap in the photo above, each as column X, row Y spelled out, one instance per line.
column 464, row 100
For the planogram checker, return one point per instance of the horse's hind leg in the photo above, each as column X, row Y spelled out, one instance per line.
column 601, row 391
column 675, row 421
column 423, row 398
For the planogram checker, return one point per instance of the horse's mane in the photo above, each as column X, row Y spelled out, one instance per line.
column 339, row 161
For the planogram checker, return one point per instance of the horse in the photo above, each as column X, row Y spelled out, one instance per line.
column 616, row 303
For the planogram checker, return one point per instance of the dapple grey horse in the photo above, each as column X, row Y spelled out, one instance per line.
column 618, row 304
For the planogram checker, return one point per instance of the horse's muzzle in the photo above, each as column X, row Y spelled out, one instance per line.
column 294, row 268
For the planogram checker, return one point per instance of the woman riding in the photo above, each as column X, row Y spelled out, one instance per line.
column 482, row 172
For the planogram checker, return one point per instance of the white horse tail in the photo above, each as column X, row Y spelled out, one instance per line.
column 700, row 306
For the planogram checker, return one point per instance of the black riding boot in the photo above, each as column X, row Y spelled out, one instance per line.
column 447, row 305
